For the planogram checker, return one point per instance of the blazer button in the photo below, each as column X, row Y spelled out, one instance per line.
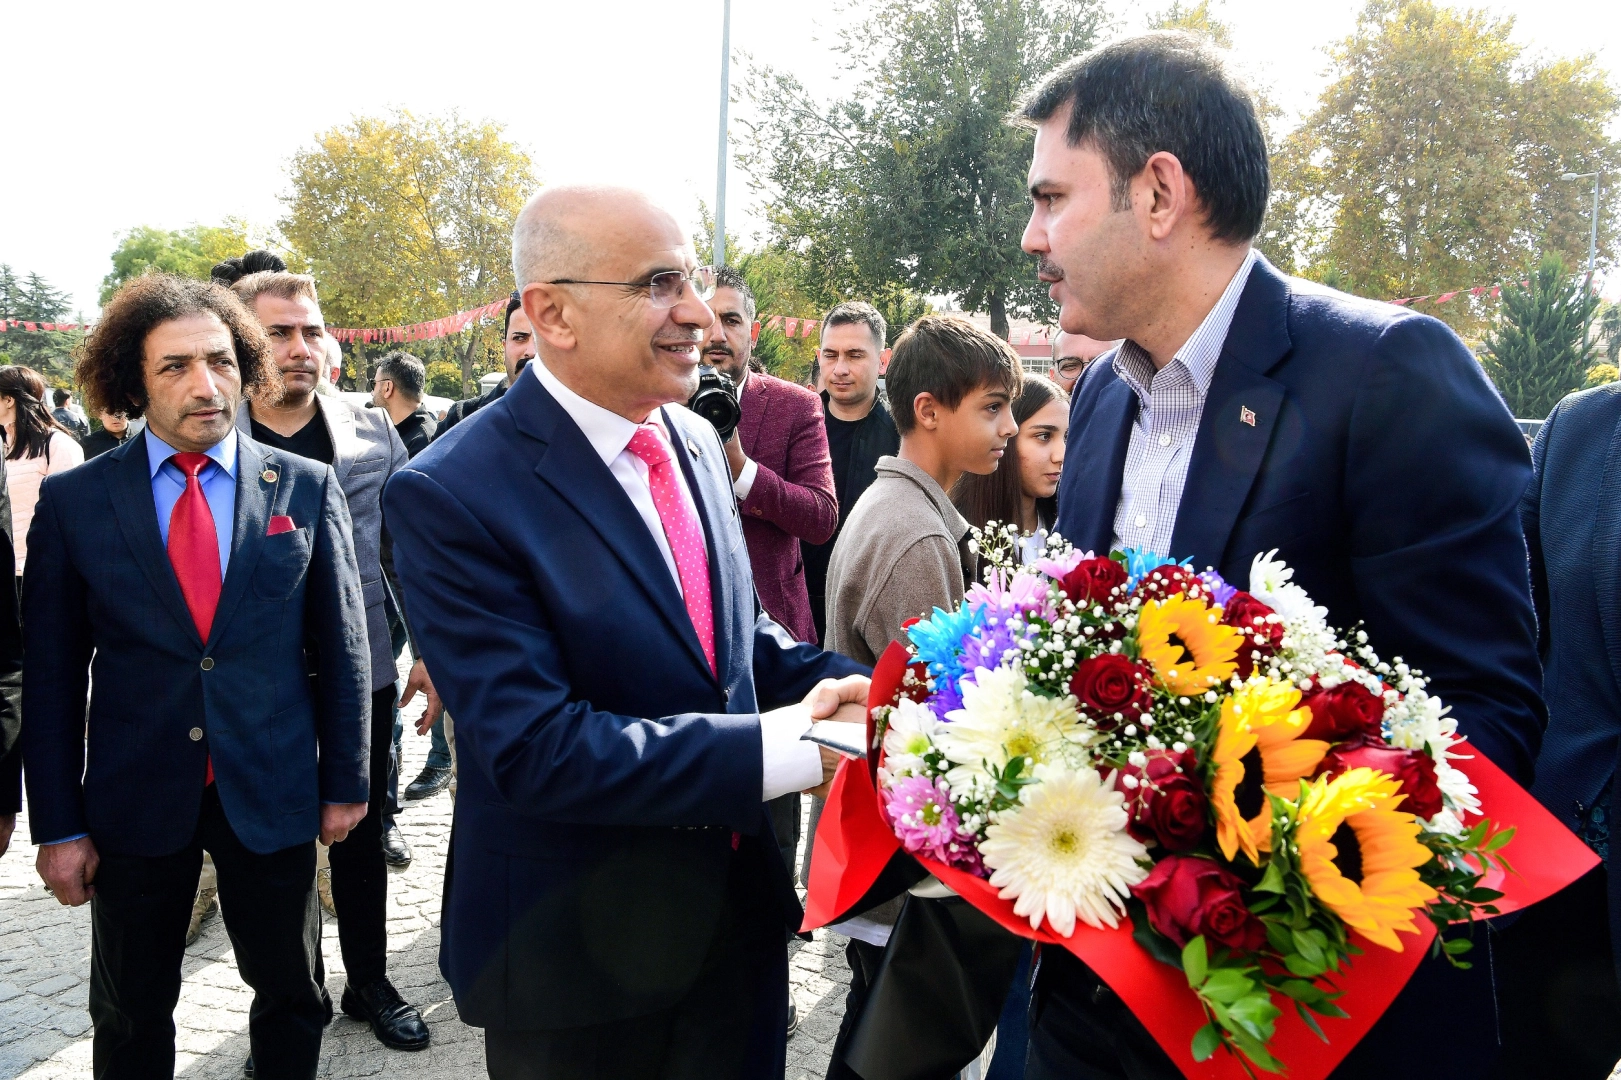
column 208, row 663
column 726, row 693
column 196, row 734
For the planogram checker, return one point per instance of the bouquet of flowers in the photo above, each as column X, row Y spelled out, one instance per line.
column 1104, row 738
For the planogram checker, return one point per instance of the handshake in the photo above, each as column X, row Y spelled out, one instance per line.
column 840, row 702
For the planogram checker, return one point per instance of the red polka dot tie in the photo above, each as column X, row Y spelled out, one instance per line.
column 682, row 530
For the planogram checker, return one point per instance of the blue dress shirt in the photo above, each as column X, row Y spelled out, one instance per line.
column 219, row 487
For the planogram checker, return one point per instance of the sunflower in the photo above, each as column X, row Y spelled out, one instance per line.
column 1258, row 751
column 1187, row 644
column 1361, row 855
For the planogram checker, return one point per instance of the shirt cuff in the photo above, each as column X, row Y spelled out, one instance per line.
column 79, row 836
column 789, row 763
column 745, row 484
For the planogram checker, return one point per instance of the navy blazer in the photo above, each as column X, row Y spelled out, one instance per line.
column 1572, row 517
column 103, row 616
column 603, row 767
column 1382, row 466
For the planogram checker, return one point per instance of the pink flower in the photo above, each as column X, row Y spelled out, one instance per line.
column 1022, row 592
column 1058, row 569
column 923, row 818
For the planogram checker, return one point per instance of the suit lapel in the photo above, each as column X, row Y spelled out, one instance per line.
column 254, row 496
column 1240, row 412
column 1607, row 552
column 705, row 500
column 340, row 425
column 754, row 404
column 1090, row 491
column 131, row 488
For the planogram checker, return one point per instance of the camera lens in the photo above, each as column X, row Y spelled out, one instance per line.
column 716, row 401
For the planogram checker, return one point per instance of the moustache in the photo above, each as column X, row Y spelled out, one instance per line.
column 721, row 348
column 1047, row 268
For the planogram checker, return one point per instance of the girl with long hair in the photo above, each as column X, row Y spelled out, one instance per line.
column 36, row 447
column 1024, row 490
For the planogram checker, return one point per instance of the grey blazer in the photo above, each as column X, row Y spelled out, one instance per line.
column 366, row 452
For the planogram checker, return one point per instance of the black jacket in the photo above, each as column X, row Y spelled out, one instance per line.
column 101, row 440
column 461, row 410
column 417, row 430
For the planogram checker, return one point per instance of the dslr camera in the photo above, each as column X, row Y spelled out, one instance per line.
column 716, row 401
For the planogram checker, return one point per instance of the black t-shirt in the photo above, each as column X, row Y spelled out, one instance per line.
column 311, row 441
column 416, row 431
column 841, row 434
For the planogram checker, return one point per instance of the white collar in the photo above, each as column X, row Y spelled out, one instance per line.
column 606, row 431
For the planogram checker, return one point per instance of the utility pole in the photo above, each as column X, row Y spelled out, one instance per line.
column 1592, row 240
column 722, row 156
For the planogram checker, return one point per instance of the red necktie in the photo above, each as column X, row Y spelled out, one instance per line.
column 194, row 551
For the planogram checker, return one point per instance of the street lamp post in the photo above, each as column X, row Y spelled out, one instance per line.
column 1592, row 238
column 721, row 155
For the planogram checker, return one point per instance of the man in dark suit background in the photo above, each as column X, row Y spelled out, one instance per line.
column 186, row 571
column 576, row 574
column 1561, row 982
column 517, row 348
column 1247, row 411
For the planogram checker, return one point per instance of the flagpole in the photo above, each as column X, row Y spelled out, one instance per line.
column 721, row 156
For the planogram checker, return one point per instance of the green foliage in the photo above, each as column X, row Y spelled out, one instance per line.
column 915, row 182
column 188, row 252
column 33, row 299
column 444, row 379
column 1609, row 332
column 1195, row 19
column 1535, row 355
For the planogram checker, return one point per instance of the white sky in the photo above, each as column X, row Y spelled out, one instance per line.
column 171, row 113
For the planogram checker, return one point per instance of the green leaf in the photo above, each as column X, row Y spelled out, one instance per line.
column 1255, row 1014
column 1226, row 985
column 1206, row 1041
column 1272, row 880
column 1255, row 1050
column 1301, row 990
column 1277, row 936
column 1299, row 965
column 1196, row 962
column 1501, row 838
column 1457, row 946
column 1309, row 944
column 1311, row 1021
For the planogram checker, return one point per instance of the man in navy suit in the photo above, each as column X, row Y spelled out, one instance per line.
column 1246, row 411
column 577, row 577
column 177, row 581
column 1562, row 966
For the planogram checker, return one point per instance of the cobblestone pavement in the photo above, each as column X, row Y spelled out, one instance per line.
column 45, row 963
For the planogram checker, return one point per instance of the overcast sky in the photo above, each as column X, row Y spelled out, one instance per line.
column 171, row 113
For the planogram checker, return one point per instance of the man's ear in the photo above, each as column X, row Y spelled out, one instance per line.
column 552, row 312
column 926, row 411
column 1163, row 195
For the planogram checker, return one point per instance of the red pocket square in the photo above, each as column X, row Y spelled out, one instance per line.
column 279, row 524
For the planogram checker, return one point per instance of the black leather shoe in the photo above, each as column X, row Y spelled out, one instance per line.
column 247, row 1067
column 793, row 1019
column 396, row 852
column 394, row 1021
column 430, row 781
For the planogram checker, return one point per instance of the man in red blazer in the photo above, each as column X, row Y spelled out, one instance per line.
column 781, row 471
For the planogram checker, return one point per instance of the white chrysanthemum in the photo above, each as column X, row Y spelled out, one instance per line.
column 1271, row 583
column 1064, row 853
column 1460, row 795
column 1001, row 720
column 908, row 737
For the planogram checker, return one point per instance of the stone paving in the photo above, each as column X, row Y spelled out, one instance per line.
column 45, row 961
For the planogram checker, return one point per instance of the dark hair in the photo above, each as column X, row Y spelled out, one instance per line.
column 234, row 270
column 514, row 303
column 34, row 423
column 1164, row 91
column 859, row 311
column 60, row 396
column 950, row 358
column 728, row 277
column 404, row 371
column 998, row 496
column 112, row 366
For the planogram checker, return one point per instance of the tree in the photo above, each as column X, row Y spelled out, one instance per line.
column 33, row 299
column 1433, row 159
column 1195, row 19
column 404, row 219
column 1535, row 355
column 915, row 182
column 188, row 252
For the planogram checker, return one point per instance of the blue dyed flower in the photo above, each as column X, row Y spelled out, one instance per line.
column 939, row 641
column 1140, row 562
column 1220, row 591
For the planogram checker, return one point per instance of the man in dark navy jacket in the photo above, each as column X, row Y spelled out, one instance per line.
column 1246, row 412
column 577, row 577
column 176, row 581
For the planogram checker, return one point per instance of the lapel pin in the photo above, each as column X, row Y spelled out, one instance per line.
column 1246, row 415
column 693, row 447
column 269, row 476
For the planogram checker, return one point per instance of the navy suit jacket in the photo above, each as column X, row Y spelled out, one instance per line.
column 104, row 616
column 603, row 767
column 1572, row 516
column 1382, row 466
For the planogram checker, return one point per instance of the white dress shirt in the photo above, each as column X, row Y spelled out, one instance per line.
column 788, row 763
column 1171, row 403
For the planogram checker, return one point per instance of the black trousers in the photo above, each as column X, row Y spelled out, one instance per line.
column 359, row 875
column 864, row 960
column 730, row 1025
column 138, row 920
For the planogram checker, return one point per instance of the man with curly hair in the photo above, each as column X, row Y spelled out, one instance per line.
column 192, row 567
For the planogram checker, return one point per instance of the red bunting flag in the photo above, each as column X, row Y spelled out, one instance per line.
column 791, row 327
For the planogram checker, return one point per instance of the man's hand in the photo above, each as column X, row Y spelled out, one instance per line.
column 338, row 818
column 841, row 701
column 69, row 870
column 418, row 680
column 8, row 824
column 735, row 456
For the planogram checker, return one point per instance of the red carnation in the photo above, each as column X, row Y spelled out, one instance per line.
column 1112, row 689
column 1261, row 637
column 1166, row 581
column 1093, row 581
column 1165, row 805
column 1347, row 711
column 1187, row 896
column 1413, row 769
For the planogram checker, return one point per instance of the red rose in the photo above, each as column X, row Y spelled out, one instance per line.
column 1166, row 581
column 1347, row 711
column 1261, row 637
column 1112, row 690
column 1092, row 581
column 1413, row 769
column 1187, row 896
column 1165, row 805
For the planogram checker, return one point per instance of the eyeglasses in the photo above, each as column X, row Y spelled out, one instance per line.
column 1069, row 365
column 664, row 289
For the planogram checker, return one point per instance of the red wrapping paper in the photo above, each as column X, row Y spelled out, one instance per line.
column 854, row 842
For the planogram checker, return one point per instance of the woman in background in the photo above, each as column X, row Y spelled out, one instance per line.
column 1024, row 490
column 36, row 447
